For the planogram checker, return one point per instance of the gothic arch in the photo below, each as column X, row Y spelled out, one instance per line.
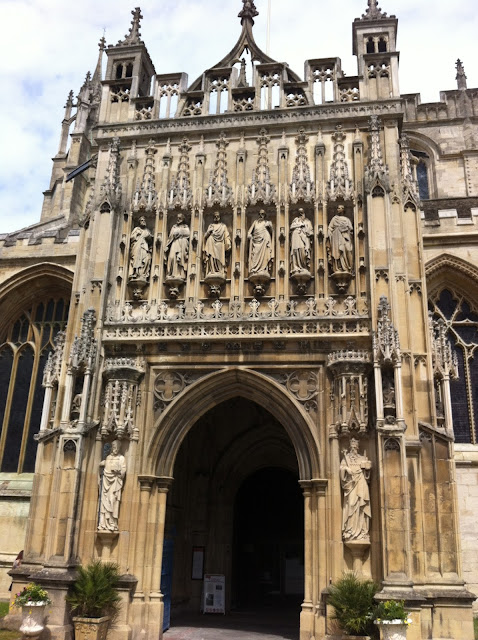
column 30, row 284
column 452, row 272
column 178, row 419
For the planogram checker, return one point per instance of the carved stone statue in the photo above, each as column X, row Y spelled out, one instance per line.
column 300, row 245
column 261, row 248
column 217, row 244
column 340, row 243
column 354, row 477
column 114, row 471
column 140, row 252
column 177, row 253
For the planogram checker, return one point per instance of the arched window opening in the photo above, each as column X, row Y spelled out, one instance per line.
column 462, row 322
column 24, row 349
column 370, row 45
column 119, row 71
column 382, row 45
column 422, row 161
column 129, row 70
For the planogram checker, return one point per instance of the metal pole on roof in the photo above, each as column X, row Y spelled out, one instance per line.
column 268, row 40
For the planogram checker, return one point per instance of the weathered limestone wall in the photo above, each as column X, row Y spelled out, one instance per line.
column 15, row 491
column 466, row 457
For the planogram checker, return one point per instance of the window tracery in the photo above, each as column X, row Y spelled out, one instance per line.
column 461, row 320
column 24, row 351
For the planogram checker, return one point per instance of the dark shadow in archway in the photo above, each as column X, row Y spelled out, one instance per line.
column 236, row 489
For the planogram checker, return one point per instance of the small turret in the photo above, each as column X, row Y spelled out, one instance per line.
column 127, row 85
column 374, row 44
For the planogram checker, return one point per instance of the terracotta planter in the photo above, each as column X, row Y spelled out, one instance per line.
column 91, row 628
column 33, row 616
column 392, row 630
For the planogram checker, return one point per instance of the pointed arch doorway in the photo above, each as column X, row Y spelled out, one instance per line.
column 236, row 499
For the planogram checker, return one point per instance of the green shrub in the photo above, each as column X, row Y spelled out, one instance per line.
column 94, row 593
column 353, row 603
column 391, row 610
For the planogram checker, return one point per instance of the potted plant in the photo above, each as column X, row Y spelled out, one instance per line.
column 392, row 619
column 353, row 603
column 94, row 599
column 32, row 600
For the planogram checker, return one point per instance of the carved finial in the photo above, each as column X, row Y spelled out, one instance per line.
column 249, row 11
column 69, row 100
column 373, row 11
column 102, row 43
column 460, row 75
column 242, row 81
column 133, row 37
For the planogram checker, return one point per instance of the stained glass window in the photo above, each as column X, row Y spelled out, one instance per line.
column 24, row 349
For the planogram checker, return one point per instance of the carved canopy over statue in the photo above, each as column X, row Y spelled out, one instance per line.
column 216, row 246
column 354, row 477
column 114, row 471
column 140, row 252
column 261, row 248
column 177, row 250
column 301, row 233
column 340, row 242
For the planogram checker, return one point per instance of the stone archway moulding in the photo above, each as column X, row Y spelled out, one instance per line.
column 447, row 270
column 178, row 419
column 37, row 280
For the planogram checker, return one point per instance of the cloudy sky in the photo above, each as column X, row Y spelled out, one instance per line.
column 51, row 44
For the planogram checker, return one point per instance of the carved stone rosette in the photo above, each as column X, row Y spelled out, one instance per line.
column 121, row 397
column 349, row 395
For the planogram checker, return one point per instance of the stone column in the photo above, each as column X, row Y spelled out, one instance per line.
column 156, row 605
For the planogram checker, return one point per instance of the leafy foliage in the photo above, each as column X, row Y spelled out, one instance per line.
column 352, row 600
column 94, row 593
column 31, row 593
column 391, row 610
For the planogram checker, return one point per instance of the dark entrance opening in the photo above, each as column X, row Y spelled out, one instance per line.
column 268, row 568
column 236, row 505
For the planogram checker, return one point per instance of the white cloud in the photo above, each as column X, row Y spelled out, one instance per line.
column 51, row 45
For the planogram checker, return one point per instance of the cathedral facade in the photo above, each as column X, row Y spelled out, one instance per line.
column 240, row 341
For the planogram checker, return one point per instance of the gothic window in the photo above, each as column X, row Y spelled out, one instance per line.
column 462, row 321
column 168, row 100
column 323, row 88
column 24, row 349
column 370, row 45
column 422, row 161
column 270, row 90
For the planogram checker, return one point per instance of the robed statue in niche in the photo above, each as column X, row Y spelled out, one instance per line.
column 216, row 246
column 177, row 250
column 354, row 477
column 112, row 479
column 261, row 247
column 340, row 242
column 140, row 252
column 301, row 232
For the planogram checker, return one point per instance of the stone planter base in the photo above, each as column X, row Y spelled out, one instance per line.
column 33, row 616
column 392, row 630
column 91, row 628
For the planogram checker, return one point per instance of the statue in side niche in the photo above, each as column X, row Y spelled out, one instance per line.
column 301, row 233
column 140, row 252
column 261, row 247
column 114, row 471
column 177, row 250
column 354, row 477
column 217, row 244
column 340, row 242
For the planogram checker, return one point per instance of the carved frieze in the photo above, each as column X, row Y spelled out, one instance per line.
column 301, row 186
column 376, row 172
column 83, row 349
column 301, row 384
column 340, row 186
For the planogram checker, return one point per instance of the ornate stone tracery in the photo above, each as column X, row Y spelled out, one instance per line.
column 261, row 189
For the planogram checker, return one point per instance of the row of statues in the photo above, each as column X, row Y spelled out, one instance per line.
column 260, row 253
column 354, row 478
